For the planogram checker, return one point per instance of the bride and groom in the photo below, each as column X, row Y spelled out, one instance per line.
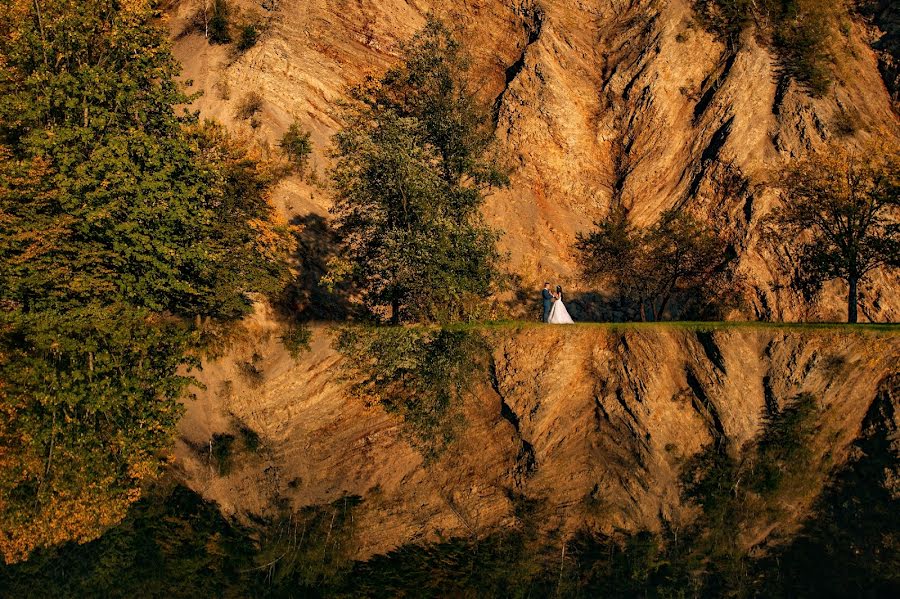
column 554, row 310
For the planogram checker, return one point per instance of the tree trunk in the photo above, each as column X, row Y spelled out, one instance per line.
column 852, row 299
column 663, row 304
column 395, row 311
column 667, row 295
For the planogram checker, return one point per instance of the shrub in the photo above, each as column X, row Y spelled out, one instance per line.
column 249, row 36
column 798, row 30
column 800, row 36
column 297, row 147
column 251, row 373
column 219, row 29
column 223, row 89
column 249, row 106
column 296, row 339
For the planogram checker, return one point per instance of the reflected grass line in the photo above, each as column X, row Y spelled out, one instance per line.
column 699, row 326
column 878, row 329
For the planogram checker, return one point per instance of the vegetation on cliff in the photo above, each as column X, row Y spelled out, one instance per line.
column 679, row 257
column 798, row 30
column 120, row 222
column 223, row 23
column 839, row 217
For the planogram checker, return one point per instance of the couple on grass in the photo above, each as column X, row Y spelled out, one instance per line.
column 554, row 310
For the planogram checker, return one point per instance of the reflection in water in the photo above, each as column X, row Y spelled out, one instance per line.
column 421, row 374
column 175, row 544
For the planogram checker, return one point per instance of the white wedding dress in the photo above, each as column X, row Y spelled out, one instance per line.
column 559, row 314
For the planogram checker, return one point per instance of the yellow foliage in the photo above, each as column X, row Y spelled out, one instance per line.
column 78, row 512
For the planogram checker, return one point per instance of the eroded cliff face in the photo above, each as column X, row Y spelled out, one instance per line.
column 595, row 102
column 592, row 423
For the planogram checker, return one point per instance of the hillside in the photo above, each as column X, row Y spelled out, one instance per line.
column 595, row 103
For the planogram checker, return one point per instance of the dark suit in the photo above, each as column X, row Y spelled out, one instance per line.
column 548, row 303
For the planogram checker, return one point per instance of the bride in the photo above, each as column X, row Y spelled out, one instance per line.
column 558, row 313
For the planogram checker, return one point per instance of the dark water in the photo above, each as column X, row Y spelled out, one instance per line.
column 174, row 544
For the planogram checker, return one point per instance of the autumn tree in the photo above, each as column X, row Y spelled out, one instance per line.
column 614, row 254
column 120, row 222
column 412, row 168
column 677, row 256
column 843, row 209
column 686, row 254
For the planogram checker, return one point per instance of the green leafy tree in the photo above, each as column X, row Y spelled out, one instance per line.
column 686, row 256
column 412, row 168
column 119, row 222
column 843, row 208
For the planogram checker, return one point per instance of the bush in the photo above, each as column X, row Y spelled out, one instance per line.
column 249, row 106
column 249, row 36
column 296, row 339
column 251, row 372
column 846, row 122
column 219, row 28
column 798, row 31
column 800, row 36
column 297, row 147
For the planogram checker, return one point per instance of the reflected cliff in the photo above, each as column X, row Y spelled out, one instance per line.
column 694, row 460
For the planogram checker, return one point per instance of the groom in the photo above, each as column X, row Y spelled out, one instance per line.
column 548, row 302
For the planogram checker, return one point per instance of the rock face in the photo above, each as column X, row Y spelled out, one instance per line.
column 596, row 102
column 593, row 422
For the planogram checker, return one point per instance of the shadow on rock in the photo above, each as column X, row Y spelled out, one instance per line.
column 306, row 298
